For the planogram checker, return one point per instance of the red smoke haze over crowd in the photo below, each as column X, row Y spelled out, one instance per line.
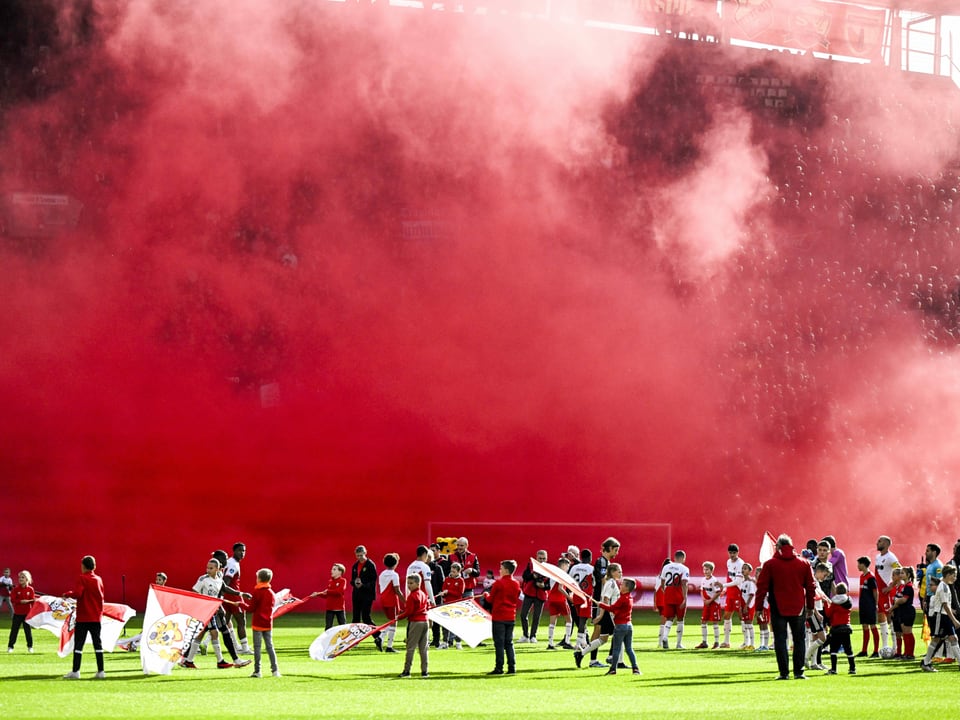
column 633, row 303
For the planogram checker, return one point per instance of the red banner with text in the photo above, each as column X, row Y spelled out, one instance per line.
column 808, row 25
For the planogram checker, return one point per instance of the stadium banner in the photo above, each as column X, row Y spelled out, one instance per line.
column 284, row 602
column 554, row 573
column 809, row 25
column 465, row 619
column 337, row 640
column 172, row 621
column 59, row 616
column 646, row 12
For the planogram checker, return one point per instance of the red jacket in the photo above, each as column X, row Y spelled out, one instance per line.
column 89, row 594
column 504, row 596
column 787, row 583
column 454, row 588
column 469, row 564
column 416, row 607
column 335, row 591
column 261, row 607
column 622, row 609
column 18, row 595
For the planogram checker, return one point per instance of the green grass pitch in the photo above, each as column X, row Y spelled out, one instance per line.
column 364, row 684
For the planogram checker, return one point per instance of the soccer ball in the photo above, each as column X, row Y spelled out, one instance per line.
column 887, row 653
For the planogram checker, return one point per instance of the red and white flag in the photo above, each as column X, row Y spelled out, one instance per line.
column 59, row 616
column 465, row 619
column 337, row 640
column 554, row 573
column 768, row 547
column 284, row 602
column 172, row 621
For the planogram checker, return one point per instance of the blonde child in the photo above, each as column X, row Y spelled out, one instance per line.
column 415, row 611
column 710, row 590
column 336, row 589
column 261, row 618
column 21, row 600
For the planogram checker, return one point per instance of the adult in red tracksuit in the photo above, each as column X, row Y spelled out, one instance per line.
column 504, row 596
column 786, row 583
column 88, row 593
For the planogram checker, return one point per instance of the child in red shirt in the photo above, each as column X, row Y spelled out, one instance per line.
column 261, row 618
column 622, row 611
column 89, row 594
column 504, row 596
column 21, row 600
column 453, row 589
column 415, row 610
column 838, row 613
column 336, row 588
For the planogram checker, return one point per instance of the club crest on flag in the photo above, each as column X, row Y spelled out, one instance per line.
column 173, row 620
column 337, row 640
column 465, row 619
column 170, row 635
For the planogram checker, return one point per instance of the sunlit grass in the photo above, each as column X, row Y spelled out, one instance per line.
column 364, row 683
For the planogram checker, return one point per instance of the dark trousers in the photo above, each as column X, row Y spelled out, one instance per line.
column 362, row 605
column 503, row 644
column 840, row 638
column 19, row 620
column 795, row 623
column 336, row 617
column 537, row 605
column 80, row 638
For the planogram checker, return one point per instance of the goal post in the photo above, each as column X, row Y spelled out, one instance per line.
column 643, row 546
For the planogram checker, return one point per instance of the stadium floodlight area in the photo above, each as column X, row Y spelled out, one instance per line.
column 643, row 545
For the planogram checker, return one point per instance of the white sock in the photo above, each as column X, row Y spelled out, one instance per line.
column 216, row 648
column 765, row 638
column 679, row 632
column 703, row 633
column 812, row 651
column 665, row 631
column 727, row 627
column 593, row 646
column 884, row 635
column 953, row 650
column 550, row 629
column 567, row 631
column 716, row 632
column 192, row 652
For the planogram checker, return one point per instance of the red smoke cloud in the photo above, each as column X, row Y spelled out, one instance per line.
column 342, row 273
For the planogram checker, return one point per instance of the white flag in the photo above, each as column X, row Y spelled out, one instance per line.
column 465, row 619
column 173, row 619
column 59, row 616
column 337, row 640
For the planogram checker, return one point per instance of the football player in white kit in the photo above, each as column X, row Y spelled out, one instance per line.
column 884, row 565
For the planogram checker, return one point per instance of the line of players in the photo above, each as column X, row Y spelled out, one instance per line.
column 883, row 595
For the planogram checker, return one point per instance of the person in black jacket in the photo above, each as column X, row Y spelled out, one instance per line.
column 363, row 578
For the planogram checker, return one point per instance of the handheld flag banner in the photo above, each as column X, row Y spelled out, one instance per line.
column 285, row 602
column 555, row 573
column 172, row 621
column 768, row 547
column 465, row 619
column 59, row 616
column 337, row 640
